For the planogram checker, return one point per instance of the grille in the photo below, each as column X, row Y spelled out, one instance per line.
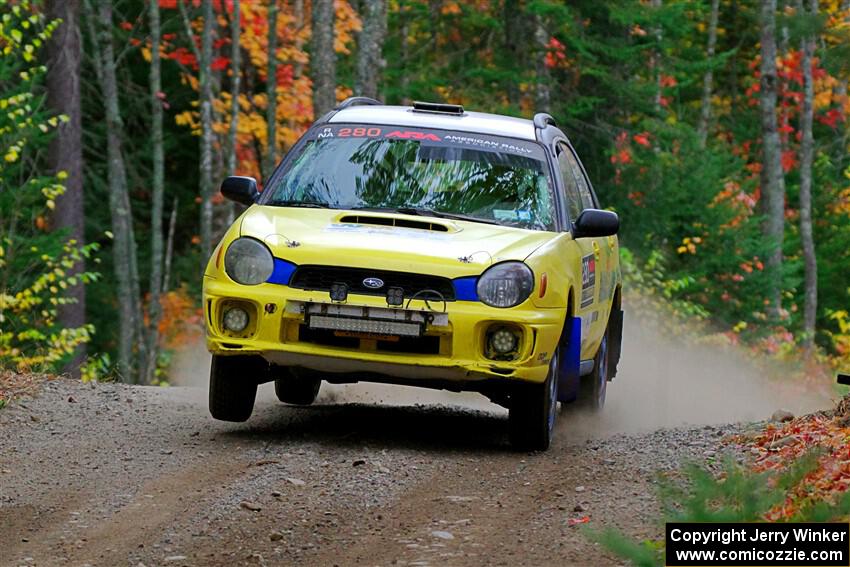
column 321, row 277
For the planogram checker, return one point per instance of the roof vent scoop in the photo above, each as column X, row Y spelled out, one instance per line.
column 438, row 108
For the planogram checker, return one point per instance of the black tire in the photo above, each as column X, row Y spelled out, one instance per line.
column 297, row 386
column 533, row 410
column 594, row 386
column 233, row 386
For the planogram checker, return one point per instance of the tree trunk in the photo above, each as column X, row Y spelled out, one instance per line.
column 124, row 247
column 169, row 248
column 772, row 180
column 370, row 47
column 542, row 94
column 708, row 78
column 271, row 95
column 66, row 151
column 404, row 55
column 516, row 30
column 323, row 58
column 810, row 298
column 157, row 192
column 235, row 80
column 207, row 134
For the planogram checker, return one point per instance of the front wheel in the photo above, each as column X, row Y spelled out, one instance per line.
column 233, row 386
column 533, row 409
column 297, row 386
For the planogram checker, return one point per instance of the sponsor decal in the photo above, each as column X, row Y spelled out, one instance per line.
column 484, row 143
column 401, row 133
column 588, row 280
column 413, row 135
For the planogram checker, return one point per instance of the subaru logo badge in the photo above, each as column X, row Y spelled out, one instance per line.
column 373, row 283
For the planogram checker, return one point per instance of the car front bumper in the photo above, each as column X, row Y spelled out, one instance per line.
column 278, row 331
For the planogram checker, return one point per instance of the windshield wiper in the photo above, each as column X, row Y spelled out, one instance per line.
column 424, row 212
column 303, row 204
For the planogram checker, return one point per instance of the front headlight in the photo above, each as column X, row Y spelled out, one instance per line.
column 248, row 261
column 506, row 284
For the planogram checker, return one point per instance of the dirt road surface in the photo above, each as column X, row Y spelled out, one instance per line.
column 107, row 474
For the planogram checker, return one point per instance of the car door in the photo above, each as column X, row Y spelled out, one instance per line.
column 589, row 251
column 605, row 250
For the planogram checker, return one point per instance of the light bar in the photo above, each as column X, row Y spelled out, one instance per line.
column 372, row 326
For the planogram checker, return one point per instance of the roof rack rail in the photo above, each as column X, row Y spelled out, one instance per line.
column 438, row 108
column 358, row 101
column 542, row 120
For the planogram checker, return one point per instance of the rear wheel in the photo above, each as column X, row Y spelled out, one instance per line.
column 233, row 386
column 594, row 386
column 533, row 409
column 297, row 386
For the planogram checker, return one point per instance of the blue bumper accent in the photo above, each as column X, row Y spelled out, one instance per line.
column 569, row 373
column 465, row 288
column 282, row 272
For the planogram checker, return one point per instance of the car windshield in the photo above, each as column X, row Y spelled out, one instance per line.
column 434, row 173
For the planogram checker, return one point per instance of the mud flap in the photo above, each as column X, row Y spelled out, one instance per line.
column 615, row 341
column 568, row 373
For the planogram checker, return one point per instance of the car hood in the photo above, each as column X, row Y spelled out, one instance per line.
column 358, row 238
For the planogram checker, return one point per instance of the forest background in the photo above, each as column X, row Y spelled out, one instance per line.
column 717, row 129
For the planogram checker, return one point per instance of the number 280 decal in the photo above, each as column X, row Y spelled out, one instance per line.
column 359, row 132
column 379, row 133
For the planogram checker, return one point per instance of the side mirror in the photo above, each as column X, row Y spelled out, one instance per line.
column 240, row 189
column 596, row 223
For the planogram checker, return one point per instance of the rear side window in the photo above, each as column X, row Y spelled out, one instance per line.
column 583, row 185
column 574, row 201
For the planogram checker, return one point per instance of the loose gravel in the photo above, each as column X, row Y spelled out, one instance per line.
column 108, row 474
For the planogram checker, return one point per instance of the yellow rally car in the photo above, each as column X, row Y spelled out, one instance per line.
column 425, row 246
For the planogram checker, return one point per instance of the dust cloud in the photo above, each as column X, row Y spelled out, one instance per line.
column 662, row 382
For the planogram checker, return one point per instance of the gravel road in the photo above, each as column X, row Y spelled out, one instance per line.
column 115, row 475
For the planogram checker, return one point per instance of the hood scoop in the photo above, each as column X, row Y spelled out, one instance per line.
column 393, row 221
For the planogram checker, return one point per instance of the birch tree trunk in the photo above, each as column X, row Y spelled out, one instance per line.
column 810, row 296
column 207, row 134
column 235, row 80
column 124, row 244
column 66, row 150
column 157, row 192
column 772, row 180
column 323, row 58
column 370, row 47
column 708, row 78
column 271, row 95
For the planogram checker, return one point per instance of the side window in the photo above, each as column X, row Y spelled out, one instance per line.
column 574, row 205
column 583, row 186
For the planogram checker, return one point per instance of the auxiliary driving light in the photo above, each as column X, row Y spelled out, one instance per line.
column 235, row 319
column 503, row 341
column 395, row 296
column 339, row 291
